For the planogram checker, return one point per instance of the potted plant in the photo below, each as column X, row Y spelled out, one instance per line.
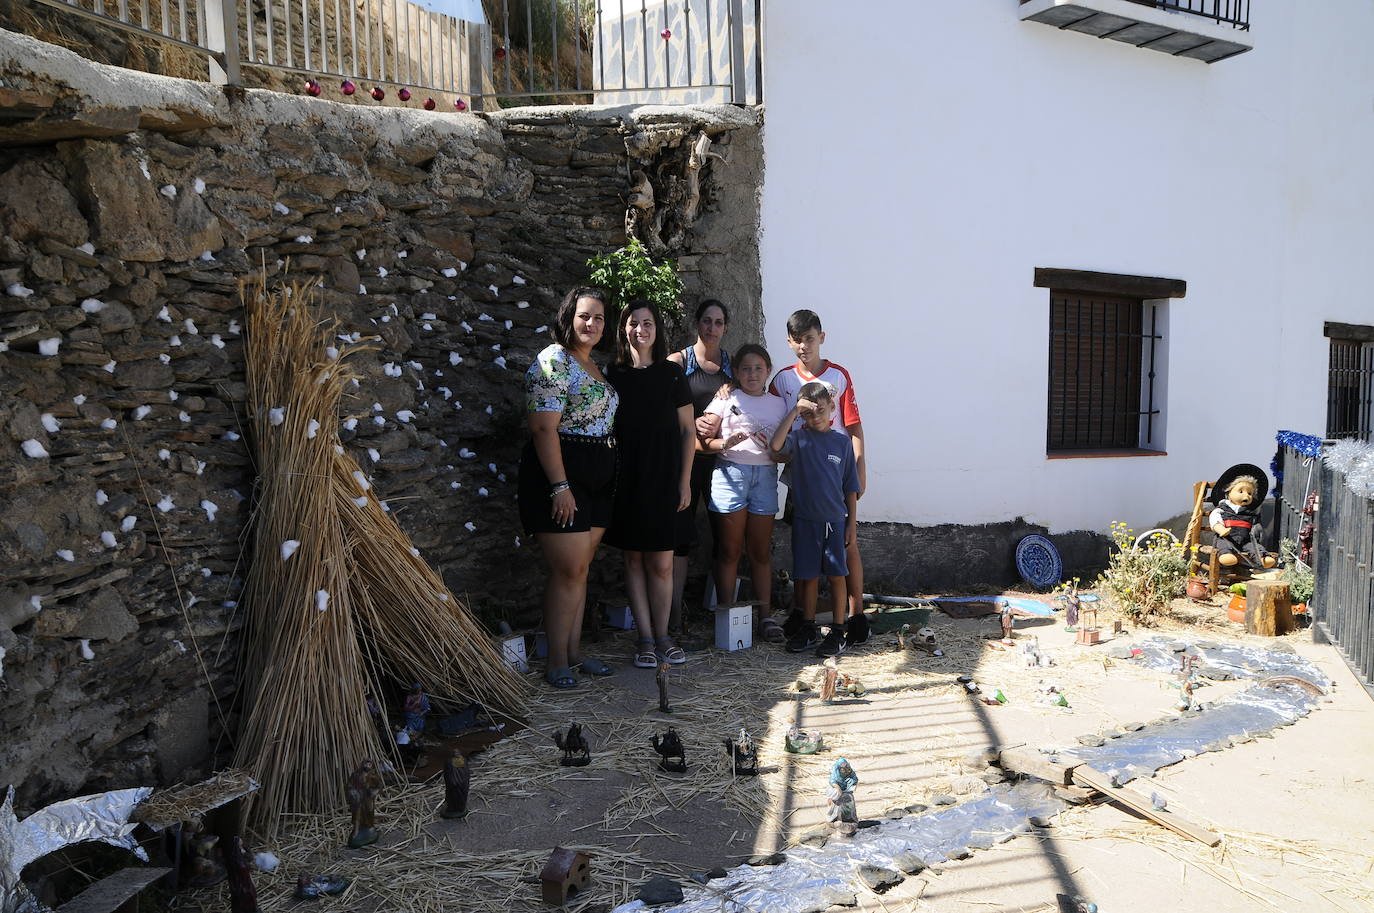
column 1297, row 575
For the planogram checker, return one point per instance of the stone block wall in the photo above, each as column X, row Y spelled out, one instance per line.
column 131, row 206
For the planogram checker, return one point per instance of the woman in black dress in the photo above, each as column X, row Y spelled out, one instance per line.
column 655, row 435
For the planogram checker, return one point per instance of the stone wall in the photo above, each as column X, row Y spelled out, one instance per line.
column 130, row 208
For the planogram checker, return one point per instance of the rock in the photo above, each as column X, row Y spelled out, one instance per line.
column 880, row 880
column 35, row 204
column 1205, row 645
column 816, row 837
column 716, row 873
column 1091, row 741
column 1042, row 820
column 964, row 786
column 962, row 852
column 943, row 799
column 916, row 808
column 659, row 890
column 975, row 761
column 1119, row 651
column 128, row 217
column 992, row 776
column 836, row 896
column 1133, row 727
column 1282, row 646
column 895, row 814
column 909, row 863
column 767, row 859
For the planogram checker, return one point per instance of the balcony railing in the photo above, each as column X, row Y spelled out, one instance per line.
column 1235, row 13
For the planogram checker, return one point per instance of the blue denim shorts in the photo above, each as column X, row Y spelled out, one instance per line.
column 736, row 486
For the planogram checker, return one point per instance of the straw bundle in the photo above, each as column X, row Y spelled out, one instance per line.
column 336, row 599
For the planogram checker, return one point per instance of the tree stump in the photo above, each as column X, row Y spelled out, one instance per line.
column 1268, row 610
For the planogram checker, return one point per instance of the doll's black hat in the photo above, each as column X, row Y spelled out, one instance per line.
column 1224, row 481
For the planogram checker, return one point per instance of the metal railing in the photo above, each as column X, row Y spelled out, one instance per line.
column 667, row 51
column 1235, row 13
column 1342, row 603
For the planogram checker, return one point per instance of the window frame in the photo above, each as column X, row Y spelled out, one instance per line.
column 1356, row 365
column 1151, row 296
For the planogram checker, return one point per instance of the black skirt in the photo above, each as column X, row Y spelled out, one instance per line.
column 590, row 463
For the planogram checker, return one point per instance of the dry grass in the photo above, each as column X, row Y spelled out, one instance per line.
column 353, row 606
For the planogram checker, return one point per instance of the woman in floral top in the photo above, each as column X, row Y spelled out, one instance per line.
column 567, row 473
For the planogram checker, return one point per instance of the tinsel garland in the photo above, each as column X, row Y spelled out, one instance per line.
column 1305, row 444
column 1351, row 458
column 1355, row 460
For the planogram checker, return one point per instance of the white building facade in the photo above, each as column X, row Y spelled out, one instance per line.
column 937, row 174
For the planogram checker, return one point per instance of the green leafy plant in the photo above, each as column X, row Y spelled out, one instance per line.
column 630, row 273
column 1143, row 579
column 1297, row 575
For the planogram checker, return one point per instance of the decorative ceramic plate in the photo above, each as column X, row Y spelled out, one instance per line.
column 1038, row 561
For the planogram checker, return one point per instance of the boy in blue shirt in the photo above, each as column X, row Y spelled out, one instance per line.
column 825, row 493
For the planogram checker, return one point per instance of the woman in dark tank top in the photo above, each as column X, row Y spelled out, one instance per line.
column 707, row 366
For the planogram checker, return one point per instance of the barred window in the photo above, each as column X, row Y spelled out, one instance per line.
column 1350, row 382
column 1106, row 362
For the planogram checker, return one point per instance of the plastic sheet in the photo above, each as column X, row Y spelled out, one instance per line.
column 102, row 817
column 810, row 874
column 1256, row 710
column 1234, row 660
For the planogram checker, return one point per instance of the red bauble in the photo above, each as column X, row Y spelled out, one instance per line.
column 378, row 93
column 312, row 88
column 665, row 34
column 429, row 104
column 460, row 104
column 499, row 53
column 347, row 87
column 404, row 94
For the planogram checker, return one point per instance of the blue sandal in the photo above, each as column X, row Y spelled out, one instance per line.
column 593, row 666
column 561, row 677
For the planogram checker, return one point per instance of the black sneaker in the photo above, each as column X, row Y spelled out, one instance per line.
column 856, row 630
column 804, row 639
column 833, row 645
column 794, row 622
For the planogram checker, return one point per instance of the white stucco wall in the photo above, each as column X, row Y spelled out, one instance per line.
column 923, row 160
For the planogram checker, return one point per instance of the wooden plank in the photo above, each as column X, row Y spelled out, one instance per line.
column 1082, row 280
column 109, row 894
column 1032, row 762
column 1087, row 775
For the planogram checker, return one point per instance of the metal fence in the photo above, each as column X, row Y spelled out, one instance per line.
column 1342, row 602
column 1235, row 13
column 610, row 51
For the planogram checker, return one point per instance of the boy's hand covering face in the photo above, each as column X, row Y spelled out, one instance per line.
column 806, row 406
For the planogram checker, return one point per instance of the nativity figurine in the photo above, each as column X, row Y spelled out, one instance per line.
column 576, row 751
column 672, row 756
column 362, row 791
column 457, row 780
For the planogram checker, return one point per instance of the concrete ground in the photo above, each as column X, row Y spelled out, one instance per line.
column 1294, row 810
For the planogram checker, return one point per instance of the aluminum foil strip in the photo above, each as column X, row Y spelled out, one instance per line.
column 811, row 875
column 1237, row 660
column 1256, row 710
column 103, row 817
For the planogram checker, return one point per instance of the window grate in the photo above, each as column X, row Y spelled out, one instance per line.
column 1350, row 390
column 1102, row 359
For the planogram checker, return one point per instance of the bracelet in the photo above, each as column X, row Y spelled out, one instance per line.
column 557, row 488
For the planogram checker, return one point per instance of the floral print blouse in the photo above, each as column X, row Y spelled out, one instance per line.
column 556, row 382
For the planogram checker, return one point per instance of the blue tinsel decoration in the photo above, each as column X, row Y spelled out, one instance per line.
column 1305, row 444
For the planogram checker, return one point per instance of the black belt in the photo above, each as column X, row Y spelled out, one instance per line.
column 604, row 440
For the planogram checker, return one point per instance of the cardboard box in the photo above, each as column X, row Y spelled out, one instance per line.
column 620, row 616
column 734, row 627
column 513, row 651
